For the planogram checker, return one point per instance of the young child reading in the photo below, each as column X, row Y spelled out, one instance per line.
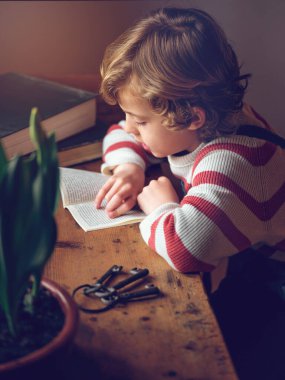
column 178, row 80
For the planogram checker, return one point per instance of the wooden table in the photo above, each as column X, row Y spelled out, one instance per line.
column 175, row 336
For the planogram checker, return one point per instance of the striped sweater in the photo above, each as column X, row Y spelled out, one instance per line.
column 234, row 199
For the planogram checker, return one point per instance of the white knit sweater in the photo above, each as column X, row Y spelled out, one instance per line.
column 235, row 199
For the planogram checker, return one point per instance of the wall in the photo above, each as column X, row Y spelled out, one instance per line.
column 69, row 37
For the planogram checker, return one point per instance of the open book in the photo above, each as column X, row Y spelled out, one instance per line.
column 78, row 190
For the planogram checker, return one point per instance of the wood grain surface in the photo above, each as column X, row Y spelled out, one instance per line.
column 175, row 336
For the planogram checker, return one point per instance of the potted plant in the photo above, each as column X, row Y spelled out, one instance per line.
column 29, row 192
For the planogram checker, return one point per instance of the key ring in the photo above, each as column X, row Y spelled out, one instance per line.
column 111, row 296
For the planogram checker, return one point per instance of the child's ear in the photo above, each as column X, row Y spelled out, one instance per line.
column 199, row 118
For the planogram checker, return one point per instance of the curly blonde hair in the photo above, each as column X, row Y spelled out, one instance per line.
column 178, row 59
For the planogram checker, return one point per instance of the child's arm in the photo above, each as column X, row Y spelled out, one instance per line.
column 126, row 160
column 210, row 223
column 120, row 148
column 182, row 233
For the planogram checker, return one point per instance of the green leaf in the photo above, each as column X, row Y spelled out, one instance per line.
column 29, row 192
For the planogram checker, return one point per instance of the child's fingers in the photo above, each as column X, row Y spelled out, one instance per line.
column 115, row 192
column 117, row 195
column 117, row 200
column 124, row 207
column 99, row 198
column 102, row 193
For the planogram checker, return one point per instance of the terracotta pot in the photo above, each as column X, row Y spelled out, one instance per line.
column 41, row 360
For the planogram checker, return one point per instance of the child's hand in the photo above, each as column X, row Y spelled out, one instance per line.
column 121, row 189
column 157, row 193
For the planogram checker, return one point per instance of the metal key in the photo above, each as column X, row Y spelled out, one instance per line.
column 108, row 291
column 150, row 291
column 93, row 288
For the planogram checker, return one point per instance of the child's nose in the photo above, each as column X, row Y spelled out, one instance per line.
column 130, row 126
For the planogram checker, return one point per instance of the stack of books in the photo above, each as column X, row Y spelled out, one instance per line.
column 83, row 147
column 65, row 110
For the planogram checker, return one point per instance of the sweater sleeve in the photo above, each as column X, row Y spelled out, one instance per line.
column 214, row 220
column 119, row 148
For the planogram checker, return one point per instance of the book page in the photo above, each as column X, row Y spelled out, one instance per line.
column 89, row 218
column 79, row 186
column 78, row 190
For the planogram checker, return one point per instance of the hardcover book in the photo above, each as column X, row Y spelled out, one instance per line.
column 82, row 147
column 63, row 109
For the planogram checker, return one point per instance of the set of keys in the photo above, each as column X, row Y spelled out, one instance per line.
column 113, row 295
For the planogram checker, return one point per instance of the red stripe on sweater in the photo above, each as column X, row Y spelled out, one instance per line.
column 262, row 210
column 182, row 259
column 177, row 252
column 151, row 240
column 126, row 144
column 257, row 156
column 114, row 127
column 221, row 220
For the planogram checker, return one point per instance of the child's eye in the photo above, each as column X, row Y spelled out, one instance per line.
column 140, row 123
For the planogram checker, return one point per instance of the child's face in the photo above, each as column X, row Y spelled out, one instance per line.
column 147, row 128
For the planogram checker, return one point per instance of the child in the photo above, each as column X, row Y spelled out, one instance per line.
column 177, row 79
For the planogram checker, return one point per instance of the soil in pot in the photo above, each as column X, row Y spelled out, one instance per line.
column 34, row 330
